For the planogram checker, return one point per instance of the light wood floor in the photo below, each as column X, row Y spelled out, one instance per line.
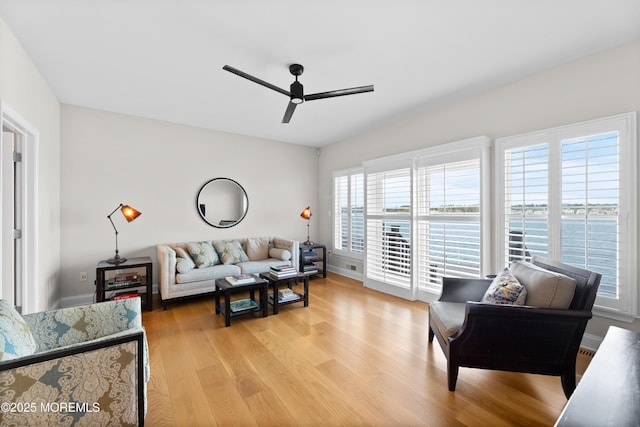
column 353, row 357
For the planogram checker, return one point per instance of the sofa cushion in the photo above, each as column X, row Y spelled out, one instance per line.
column 257, row 248
column 209, row 273
column 447, row 316
column 230, row 252
column 545, row 289
column 281, row 254
column 16, row 339
column 505, row 289
column 203, row 254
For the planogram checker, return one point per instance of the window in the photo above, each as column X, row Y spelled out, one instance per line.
column 389, row 227
column 427, row 216
column 569, row 193
column 348, row 190
column 449, row 228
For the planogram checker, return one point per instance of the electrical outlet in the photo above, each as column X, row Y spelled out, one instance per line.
column 83, row 276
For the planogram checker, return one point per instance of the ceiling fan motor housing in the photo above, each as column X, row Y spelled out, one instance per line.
column 297, row 95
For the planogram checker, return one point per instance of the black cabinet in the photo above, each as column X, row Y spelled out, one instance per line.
column 313, row 260
column 125, row 280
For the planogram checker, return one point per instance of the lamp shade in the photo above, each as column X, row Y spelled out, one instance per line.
column 306, row 213
column 130, row 213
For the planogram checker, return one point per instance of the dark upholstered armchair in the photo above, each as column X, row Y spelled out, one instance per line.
column 509, row 337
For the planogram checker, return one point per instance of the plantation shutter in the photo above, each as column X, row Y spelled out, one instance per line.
column 388, row 228
column 590, row 205
column 526, row 207
column 356, row 209
column 341, row 210
column 449, row 228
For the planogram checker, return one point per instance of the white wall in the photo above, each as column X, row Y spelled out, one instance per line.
column 597, row 86
column 158, row 168
column 25, row 91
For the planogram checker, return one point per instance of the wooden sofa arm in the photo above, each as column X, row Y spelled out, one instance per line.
column 89, row 382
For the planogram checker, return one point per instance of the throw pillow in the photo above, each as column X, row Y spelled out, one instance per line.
column 258, row 248
column 184, row 265
column 230, row 252
column 184, row 259
column 203, row 254
column 545, row 289
column 505, row 289
column 16, row 339
column 282, row 254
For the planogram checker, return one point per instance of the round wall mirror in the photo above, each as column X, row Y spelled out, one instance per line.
column 222, row 202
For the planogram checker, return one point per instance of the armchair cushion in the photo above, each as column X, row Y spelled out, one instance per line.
column 545, row 288
column 447, row 317
column 16, row 339
column 505, row 289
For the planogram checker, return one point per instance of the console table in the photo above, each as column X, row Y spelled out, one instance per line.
column 609, row 392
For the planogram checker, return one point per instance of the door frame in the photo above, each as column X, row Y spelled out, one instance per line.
column 14, row 122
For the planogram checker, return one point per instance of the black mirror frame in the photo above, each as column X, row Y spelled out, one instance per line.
column 218, row 225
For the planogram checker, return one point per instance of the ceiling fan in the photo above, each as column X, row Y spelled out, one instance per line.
column 296, row 93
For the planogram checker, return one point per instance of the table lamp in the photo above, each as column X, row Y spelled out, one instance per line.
column 130, row 214
column 306, row 214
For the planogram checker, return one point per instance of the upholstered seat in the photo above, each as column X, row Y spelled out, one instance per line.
column 538, row 340
column 85, row 365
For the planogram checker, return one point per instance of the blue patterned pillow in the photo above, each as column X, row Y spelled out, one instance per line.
column 505, row 289
column 203, row 254
column 16, row 339
column 230, row 252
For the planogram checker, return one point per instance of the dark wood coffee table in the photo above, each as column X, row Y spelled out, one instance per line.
column 231, row 308
column 286, row 281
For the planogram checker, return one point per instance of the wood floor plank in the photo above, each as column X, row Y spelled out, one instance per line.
column 353, row 357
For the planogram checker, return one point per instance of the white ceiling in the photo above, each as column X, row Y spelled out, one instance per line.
column 163, row 59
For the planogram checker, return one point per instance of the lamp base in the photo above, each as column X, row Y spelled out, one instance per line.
column 116, row 260
column 308, row 243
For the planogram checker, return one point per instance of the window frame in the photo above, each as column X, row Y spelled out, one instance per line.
column 349, row 252
column 624, row 307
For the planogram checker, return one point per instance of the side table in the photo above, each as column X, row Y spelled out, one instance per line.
column 286, row 281
column 121, row 280
column 239, row 307
column 313, row 260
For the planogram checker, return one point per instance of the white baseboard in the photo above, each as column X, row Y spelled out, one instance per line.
column 344, row 272
column 83, row 299
column 591, row 342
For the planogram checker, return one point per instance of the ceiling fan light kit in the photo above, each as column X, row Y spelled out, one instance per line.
column 296, row 93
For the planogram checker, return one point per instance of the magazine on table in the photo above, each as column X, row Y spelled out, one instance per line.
column 240, row 279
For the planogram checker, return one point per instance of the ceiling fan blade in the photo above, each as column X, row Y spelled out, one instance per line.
column 255, row 80
column 287, row 114
column 339, row 92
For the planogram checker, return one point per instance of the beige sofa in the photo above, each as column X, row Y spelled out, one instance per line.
column 190, row 268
